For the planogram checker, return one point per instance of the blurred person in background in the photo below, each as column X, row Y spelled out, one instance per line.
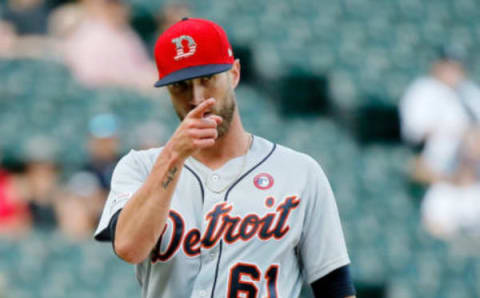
column 436, row 112
column 9, row 39
column 452, row 208
column 63, row 21
column 103, row 148
column 149, row 135
column 29, row 17
column 40, row 184
column 104, row 51
column 27, row 36
column 170, row 14
column 66, row 18
column 15, row 217
column 80, row 206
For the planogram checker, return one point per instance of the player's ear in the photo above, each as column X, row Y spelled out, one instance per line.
column 235, row 73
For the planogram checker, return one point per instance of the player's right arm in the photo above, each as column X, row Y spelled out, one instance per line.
column 143, row 218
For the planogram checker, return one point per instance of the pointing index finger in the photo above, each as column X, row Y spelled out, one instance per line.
column 199, row 110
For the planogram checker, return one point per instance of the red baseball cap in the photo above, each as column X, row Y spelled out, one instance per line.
column 192, row 48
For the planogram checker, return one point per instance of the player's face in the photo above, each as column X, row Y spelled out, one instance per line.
column 186, row 95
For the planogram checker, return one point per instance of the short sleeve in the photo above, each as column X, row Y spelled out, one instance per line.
column 127, row 178
column 322, row 245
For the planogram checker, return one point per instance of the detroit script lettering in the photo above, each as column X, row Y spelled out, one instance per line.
column 222, row 225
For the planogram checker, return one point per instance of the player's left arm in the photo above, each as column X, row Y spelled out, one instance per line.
column 336, row 284
column 322, row 247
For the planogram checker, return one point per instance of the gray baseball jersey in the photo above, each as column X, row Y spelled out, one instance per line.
column 258, row 233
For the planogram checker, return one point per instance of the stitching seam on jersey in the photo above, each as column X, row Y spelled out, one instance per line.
column 226, row 198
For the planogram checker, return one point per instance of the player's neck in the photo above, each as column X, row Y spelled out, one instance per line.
column 233, row 144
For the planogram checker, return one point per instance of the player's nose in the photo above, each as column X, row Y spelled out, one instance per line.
column 198, row 93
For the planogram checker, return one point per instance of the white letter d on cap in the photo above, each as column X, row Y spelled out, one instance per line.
column 192, row 46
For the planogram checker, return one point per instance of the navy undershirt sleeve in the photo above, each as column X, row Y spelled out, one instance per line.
column 112, row 226
column 336, row 284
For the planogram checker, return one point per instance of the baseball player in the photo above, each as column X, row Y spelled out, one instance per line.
column 219, row 212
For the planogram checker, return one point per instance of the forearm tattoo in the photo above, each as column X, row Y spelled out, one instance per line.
column 170, row 176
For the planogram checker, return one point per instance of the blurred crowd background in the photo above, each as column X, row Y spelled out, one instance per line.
column 383, row 94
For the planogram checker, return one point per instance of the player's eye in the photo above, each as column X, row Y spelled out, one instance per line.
column 207, row 79
column 179, row 86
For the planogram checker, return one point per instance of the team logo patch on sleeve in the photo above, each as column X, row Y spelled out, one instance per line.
column 263, row 181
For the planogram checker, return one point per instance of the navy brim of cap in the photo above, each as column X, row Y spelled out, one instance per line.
column 192, row 73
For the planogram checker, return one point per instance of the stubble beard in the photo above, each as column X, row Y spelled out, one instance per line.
column 226, row 111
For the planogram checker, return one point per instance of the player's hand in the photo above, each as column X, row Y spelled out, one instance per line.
column 196, row 131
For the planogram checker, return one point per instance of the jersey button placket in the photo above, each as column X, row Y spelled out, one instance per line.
column 216, row 198
column 208, row 256
column 215, row 183
column 212, row 255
